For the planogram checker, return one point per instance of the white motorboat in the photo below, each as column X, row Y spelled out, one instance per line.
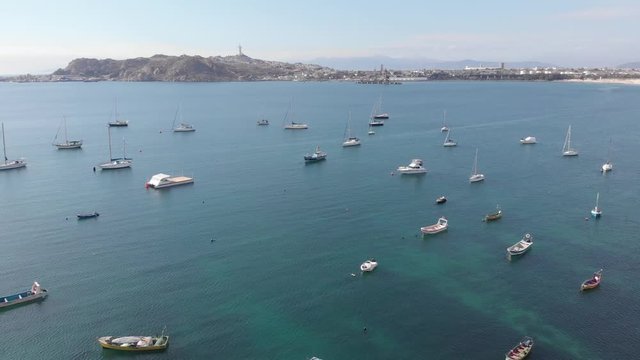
column 567, row 150
column 67, row 144
column 521, row 246
column 528, row 140
column 475, row 175
column 596, row 211
column 438, row 227
column 415, row 167
column 369, row 265
column 9, row 164
column 159, row 181
column 608, row 166
column 116, row 163
column 448, row 141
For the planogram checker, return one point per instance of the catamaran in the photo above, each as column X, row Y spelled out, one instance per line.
column 567, row 150
column 67, row 144
column 9, row 164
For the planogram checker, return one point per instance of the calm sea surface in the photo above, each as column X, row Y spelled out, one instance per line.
column 276, row 281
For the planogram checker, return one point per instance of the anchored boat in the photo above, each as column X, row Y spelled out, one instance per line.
column 521, row 246
column 369, row 265
column 415, row 167
column 135, row 343
column 521, row 350
column 159, row 181
column 440, row 226
column 592, row 283
column 493, row 216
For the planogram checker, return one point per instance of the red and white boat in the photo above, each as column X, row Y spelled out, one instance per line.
column 521, row 350
column 440, row 226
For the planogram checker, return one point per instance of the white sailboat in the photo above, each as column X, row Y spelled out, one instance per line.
column 567, row 150
column 350, row 140
column 608, row 166
column 292, row 125
column 9, row 164
column 475, row 175
column 444, row 122
column 596, row 211
column 183, row 126
column 67, row 144
column 448, row 141
column 116, row 163
column 371, row 131
column 377, row 117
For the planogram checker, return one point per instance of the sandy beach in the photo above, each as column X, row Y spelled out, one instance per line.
column 607, row 81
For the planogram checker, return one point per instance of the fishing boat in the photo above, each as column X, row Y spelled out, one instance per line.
column 183, row 126
column 33, row 294
column 160, row 181
column 521, row 350
column 596, row 211
column 475, row 175
column 117, row 122
column 593, row 282
column 116, row 163
column 135, row 343
column 415, row 167
column 67, row 144
column 369, row 265
column 567, row 150
column 349, row 139
column 441, row 200
column 288, row 120
column 440, row 226
column 493, row 216
column 9, row 164
column 528, row 140
column 83, row 216
column 444, row 122
column 607, row 166
column 448, row 141
column 521, row 246
column 263, row 122
column 316, row 156
column 378, row 114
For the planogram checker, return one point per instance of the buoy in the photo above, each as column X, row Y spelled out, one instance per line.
column 94, row 169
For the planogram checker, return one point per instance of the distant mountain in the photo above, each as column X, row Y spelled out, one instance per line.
column 374, row 62
column 631, row 65
column 190, row 68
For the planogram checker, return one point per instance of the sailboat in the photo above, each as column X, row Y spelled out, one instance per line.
column 371, row 132
column 293, row 125
column 116, row 163
column 183, row 127
column 378, row 114
column 116, row 121
column 596, row 211
column 9, row 164
column 608, row 166
column 350, row 140
column 444, row 123
column 67, row 144
column 567, row 150
column 377, row 118
column 475, row 176
column 448, row 141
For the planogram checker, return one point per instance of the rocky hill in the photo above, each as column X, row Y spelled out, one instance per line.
column 190, row 68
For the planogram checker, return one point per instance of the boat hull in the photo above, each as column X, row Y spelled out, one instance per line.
column 409, row 171
column 104, row 343
column 87, row 216
column 71, row 145
column 114, row 165
column 376, row 123
column 476, row 178
column 15, row 164
column 184, row 130
column 119, row 124
column 570, row 153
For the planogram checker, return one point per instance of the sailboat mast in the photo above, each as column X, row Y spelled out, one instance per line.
column 569, row 138
column 124, row 149
column 475, row 163
column 66, row 141
column 597, row 199
column 109, row 131
column 4, row 148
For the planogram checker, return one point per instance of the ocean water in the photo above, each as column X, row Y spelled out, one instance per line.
column 275, row 282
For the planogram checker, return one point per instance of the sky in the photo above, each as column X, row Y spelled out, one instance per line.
column 41, row 36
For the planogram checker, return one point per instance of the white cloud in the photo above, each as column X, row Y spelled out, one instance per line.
column 601, row 13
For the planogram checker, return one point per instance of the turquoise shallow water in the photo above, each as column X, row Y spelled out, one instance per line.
column 276, row 282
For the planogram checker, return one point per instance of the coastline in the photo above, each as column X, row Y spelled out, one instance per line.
column 606, row 81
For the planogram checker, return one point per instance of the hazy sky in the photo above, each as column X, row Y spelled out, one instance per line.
column 40, row 36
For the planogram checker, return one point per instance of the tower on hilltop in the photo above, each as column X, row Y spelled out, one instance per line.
column 240, row 50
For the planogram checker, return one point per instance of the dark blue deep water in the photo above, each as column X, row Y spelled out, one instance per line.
column 276, row 283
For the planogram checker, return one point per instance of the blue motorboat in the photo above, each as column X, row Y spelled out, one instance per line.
column 35, row 293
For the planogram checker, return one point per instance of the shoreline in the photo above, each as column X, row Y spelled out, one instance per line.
column 605, row 81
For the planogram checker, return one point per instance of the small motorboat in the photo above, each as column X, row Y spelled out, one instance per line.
column 369, row 265
column 521, row 350
column 521, row 246
column 296, row 126
column 608, row 166
column 493, row 216
column 82, row 216
column 35, row 293
column 440, row 226
column 528, row 140
column 592, row 283
column 441, row 200
column 135, row 343
column 415, row 167
column 263, row 122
